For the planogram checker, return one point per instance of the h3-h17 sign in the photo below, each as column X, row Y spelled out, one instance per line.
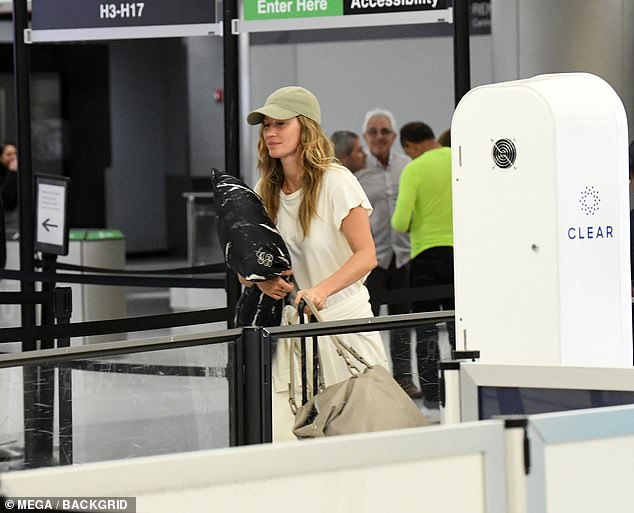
column 70, row 14
column 83, row 20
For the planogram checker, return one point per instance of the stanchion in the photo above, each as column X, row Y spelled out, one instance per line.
column 63, row 306
column 235, row 374
column 250, row 388
column 31, row 375
column 253, row 407
column 232, row 122
column 267, row 387
column 40, row 425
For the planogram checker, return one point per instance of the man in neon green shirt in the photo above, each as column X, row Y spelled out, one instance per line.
column 423, row 209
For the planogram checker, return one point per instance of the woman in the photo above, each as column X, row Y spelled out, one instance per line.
column 8, row 175
column 322, row 213
column 9, row 184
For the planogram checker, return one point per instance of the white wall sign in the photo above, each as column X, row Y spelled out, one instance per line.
column 51, row 229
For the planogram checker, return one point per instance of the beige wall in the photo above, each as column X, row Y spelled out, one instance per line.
column 531, row 37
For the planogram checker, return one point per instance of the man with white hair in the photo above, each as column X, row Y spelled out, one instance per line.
column 380, row 180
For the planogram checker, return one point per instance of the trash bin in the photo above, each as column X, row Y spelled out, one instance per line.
column 103, row 249
column 87, row 247
column 203, row 247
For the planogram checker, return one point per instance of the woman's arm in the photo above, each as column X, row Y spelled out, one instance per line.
column 277, row 287
column 356, row 229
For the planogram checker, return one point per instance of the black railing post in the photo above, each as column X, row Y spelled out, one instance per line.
column 266, row 389
column 232, row 124
column 42, row 414
column 235, row 376
column 461, row 57
column 21, row 66
column 254, row 377
column 63, row 308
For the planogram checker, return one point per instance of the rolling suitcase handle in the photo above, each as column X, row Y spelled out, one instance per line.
column 318, row 383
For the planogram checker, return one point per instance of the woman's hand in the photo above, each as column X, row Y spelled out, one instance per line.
column 277, row 288
column 316, row 295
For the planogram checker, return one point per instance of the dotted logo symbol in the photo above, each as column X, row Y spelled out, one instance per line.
column 589, row 201
column 504, row 153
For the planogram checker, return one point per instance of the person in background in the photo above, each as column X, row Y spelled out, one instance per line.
column 322, row 213
column 445, row 138
column 8, row 195
column 417, row 138
column 9, row 176
column 380, row 181
column 348, row 150
column 424, row 210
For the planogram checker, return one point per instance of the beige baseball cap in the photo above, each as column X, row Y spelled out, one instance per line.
column 286, row 103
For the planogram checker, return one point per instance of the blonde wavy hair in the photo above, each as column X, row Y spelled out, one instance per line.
column 315, row 153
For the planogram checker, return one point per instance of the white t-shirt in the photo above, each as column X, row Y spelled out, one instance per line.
column 324, row 251
column 315, row 258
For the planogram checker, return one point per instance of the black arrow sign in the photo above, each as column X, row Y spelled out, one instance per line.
column 46, row 224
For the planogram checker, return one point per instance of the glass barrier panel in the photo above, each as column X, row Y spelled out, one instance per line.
column 115, row 407
column 410, row 354
column 11, row 418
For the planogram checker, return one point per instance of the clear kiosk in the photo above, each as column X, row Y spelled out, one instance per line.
column 541, row 222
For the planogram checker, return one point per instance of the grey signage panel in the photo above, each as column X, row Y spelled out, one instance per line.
column 75, row 14
column 112, row 33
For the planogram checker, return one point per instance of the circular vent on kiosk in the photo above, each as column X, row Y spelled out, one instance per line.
column 504, row 153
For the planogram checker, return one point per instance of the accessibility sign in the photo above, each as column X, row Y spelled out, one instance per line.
column 279, row 9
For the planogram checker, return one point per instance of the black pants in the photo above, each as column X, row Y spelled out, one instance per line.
column 433, row 266
column 393, row 278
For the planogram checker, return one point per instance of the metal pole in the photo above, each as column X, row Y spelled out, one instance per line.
column 232, row 124
column 22, row 64
column 266, row 388
column 63, row 307
column 252, row 398
column 253, row 379
column 31, row 374
column 43, row 410
column 235, row 377
column 461, row 57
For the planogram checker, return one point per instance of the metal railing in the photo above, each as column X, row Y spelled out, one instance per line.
column 248, row 369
